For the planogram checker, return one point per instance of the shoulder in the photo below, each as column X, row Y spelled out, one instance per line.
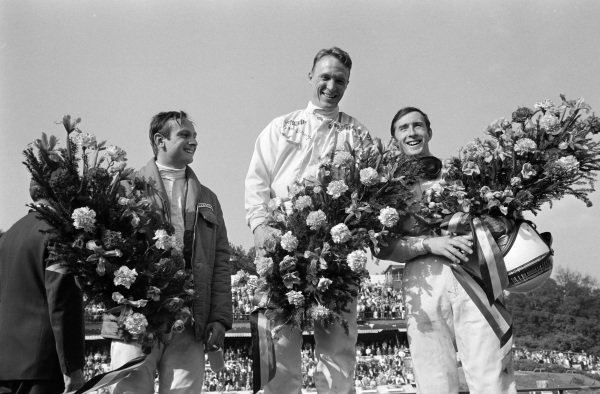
column 204, row 194
column 348, row 119
column 294, row 118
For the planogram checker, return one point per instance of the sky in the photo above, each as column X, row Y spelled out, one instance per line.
column 235, row 65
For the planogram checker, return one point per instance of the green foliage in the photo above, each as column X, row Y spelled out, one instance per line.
column 563, row 314
column 242, row 259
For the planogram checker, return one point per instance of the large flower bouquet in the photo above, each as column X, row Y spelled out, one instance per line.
column 539, row 156
column 106, row 232
column 315, row 264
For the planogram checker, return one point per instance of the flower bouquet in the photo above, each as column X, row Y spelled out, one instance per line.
column 315, row 264
column 107, row 234
column 539, row 156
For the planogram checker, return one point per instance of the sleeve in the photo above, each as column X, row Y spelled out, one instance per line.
column 403, row 249
column 259, row 176
column 65, row 308
column 221, row 307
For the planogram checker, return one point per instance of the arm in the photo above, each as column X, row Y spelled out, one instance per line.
column 404, row 249
column 220, row 317
column 258, row 182
column 65, row 308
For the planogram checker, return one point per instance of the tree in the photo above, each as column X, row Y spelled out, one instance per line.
column 563, row 314
column 242, row 259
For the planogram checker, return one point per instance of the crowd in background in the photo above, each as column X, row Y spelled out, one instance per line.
column 375, row 302
column 385, row 362
column 571, row 360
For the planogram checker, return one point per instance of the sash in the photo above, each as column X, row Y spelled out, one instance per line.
column 484, row 280
column 110, row 378
column 263, row 350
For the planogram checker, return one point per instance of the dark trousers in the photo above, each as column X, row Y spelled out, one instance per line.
column 32, row 386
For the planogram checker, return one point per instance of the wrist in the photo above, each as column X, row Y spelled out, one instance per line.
column 425, row 245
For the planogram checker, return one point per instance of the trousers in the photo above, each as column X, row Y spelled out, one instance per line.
column 441, row 321
column 180, row 366
column 335, row 352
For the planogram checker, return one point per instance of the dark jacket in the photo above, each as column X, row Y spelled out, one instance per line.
column 209, row 247
column 41, row 308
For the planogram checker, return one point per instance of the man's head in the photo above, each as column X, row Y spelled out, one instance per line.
column 173, row 139
column 412, row 129
column 329, row 77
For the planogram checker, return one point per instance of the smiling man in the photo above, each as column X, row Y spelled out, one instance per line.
column 442, row 319
column 290, row 149
column 195, row 214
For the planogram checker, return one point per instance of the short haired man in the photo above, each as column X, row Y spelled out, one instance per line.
column 195, row 213
column 41, row 314
column 441, row 317
column 291, row 148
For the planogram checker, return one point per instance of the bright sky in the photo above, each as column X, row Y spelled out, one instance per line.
column 234, row 65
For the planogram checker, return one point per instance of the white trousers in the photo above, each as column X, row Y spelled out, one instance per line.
column 442, row 320
column 335, row 352
column 180, row 366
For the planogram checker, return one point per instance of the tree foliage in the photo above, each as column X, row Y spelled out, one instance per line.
column 563, row 314
column 242, row 259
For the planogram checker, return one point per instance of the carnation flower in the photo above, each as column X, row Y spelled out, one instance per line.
column 340, row 233
column 178, row 326
column 320, row 313
column 525, row 145
column 317, row 189
column 498, row 125
column 116, row 153
column 295, row 298
column 369, row 176
column 153, row 293
column 521, row 114
column 342, row 158
column 274, row 203
column 357, row 260
column 337, row 188
column 164, row 240
column 289, row 207
column 290, row 279
column 295, row 189
column 84, row 218
column 85, row 140
column 515, row 181
column 112, row 239
column 117, row 167
column 470, row 168
column 287, row 264
column 528, row 171
column 136, row 323
column 174, row 304
column 544, row 105
column 264, row 265
column 316, row 219
column 324, row 284
column 135, row 220
column 388, row 217
column 125, row 276
column 303, row 202
column 118, row 297
column 549, row 121
column 289, row 242
column 568, row 163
